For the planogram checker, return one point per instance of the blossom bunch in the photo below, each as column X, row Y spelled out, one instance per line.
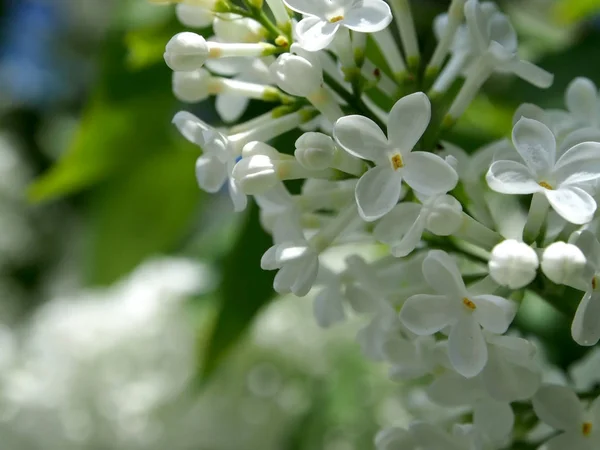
column 458, row 237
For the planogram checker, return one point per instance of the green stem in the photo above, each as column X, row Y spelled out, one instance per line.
column 355, row 103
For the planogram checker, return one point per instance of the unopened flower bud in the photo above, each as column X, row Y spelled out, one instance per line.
column 186, row 52
column 194, row 16
column 296, row 75
column 315, row 151
column 513, row 264
column 255, row 174
column 445, row 216
column 191, row 87
column 562, row 263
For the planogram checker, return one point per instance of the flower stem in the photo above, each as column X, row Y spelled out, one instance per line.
column 538, row 210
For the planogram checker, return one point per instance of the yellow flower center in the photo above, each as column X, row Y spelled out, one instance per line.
column 594, row 282
column 469, row 304
column 546, row 185
column 586, row 428
column 397, row 162
column 336, row 19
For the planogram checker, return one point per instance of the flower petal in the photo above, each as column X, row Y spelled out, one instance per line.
column 508, row 382
column 239, row 199
column 572, row 204
column 191, row 127
column 231, row 107
column 558, row 406
column 425, row 314
column 570, row 441
column 377, row 192
column 511, row 177
column 328, row 306
column 315, row 34
column 408, row 120
column 369, row 17
column 477, row 25
column 537, row 146
column 452, row 389
column 361, row 137
column 494, row 313
column 428, row 173
column 532, row 74
column 467, row 349
column 579, row 164
column 210, row 173
column 585, row 328
column 494, row 419
column 307, row 7
column 581, row 98
column 442, row 274
column 401, row 229
column 428, row 436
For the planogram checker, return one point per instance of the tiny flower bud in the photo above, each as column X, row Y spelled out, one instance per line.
column 186, row 52
column 191, row 87
column 255, row 174
column 562, row 263
column 194, row 16
column 445, row 216
column 315, row 151
column 513, row 264
column 296, row 75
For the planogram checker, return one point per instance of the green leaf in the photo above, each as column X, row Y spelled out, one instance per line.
column 127, row 118
column 136, row 215
column 244, row 289
column 571, row 11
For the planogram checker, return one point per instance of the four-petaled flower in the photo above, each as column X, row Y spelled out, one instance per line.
column 563, row 181
column 325, row 17
column 378, row 190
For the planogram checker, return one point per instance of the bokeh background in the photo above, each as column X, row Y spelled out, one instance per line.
column 133, row 311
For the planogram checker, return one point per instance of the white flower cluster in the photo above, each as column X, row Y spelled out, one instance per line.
column 462, row 251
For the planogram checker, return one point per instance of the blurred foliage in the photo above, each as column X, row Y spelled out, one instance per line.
column 570, row 11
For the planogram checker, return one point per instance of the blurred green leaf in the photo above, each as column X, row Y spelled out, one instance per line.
column 244, row 289
column 126, row 119
column 571, row 11
column 144, row 213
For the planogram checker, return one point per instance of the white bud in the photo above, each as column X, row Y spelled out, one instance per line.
column 235, row 28
column 296, row 75
column 444, row 216
column 186, row 52
column 315, row 151
column 194, row 16
column 255, row 174
column 513, row 264
column 562, row 263
column 191, row 87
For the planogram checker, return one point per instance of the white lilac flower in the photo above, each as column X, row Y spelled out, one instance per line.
column 323, row 19
column 455, row 308
column 215, row 167
column 413, row 358
column 559, row 407
column 379, row 189
column 586, row 323
column 297, row 262
column 404, row 225
column 495, row 39
column 433, row 437
column 562, row 182
column 513, row 264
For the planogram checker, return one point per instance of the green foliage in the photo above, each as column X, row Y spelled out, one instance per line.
column 244, row 289
column 134, row 216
